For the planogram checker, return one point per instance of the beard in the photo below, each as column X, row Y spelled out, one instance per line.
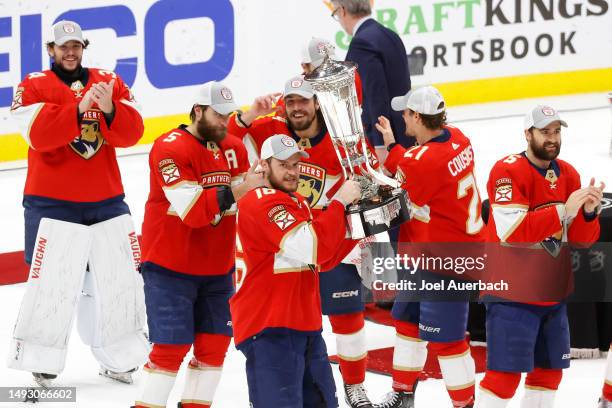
column 541, row 151
column 302, row 123
column 210, row 133
column 289, row 184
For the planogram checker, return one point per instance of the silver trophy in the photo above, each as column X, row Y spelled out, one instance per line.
column 384, row 204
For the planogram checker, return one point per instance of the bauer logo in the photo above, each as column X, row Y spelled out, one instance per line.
column 429, row 329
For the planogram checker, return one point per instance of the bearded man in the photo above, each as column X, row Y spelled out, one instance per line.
column 196, row 176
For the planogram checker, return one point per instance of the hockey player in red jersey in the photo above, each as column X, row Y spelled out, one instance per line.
column 320, row 177
column 536, row 198
column 438, row 174
column 72, row 119
column 277, row 309
column 197, row 172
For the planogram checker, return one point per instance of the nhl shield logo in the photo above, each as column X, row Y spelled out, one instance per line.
column 90, row 141
column 311, row 183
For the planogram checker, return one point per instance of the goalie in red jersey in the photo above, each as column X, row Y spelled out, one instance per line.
column 76, row 219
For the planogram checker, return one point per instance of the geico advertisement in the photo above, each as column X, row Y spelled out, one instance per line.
column 163, row 49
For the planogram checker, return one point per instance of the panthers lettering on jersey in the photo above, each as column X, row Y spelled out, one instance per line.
column 72, row 158
column 320, row 175
column 184, row 230
column 283, row 245
column 439, row 178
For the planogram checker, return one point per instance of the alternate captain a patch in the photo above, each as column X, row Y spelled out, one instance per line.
column 503, row 190
column 281, row 217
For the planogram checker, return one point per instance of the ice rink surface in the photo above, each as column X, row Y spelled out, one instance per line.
column 495, row 131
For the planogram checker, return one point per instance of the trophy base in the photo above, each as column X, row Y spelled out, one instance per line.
column 369, row 218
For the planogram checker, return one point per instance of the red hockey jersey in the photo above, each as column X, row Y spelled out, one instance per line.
column 524, row 200
column 283, row 245
column 68, row 158
column 183, row 229
column 527, row 217
column 439, row 178
column 320, row 174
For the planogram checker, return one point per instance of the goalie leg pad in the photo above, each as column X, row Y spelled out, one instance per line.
column 45, row 318
column 115, row 296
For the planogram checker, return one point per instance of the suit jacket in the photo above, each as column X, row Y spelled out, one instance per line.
column 383, row 67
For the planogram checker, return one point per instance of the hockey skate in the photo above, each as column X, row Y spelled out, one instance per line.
column 604, row 403
column 43, row 379
column 124, row 377
column 397, row 399
column 356, row 397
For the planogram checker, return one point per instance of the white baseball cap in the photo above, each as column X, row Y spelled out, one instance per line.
column 281, row 147
column 542, row 116
column 64, row 31
column 298, row 86
column 312, row 53
column 218, row 96
column 426, row 100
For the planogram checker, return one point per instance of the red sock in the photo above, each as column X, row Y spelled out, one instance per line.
column 501, row 384
column 544, row 378
column 351, row 346
column 607, row 391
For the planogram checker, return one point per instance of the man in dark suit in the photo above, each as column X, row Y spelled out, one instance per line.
column 382, row 65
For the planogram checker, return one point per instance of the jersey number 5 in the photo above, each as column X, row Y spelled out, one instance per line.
column 474, row 223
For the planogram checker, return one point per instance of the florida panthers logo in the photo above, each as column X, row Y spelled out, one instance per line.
column 89, row 142
column 311, row 183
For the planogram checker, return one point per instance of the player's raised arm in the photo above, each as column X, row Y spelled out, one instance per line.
column 39, row 118
column 125, row 126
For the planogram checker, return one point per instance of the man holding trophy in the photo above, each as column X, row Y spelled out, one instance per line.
column 321, row 175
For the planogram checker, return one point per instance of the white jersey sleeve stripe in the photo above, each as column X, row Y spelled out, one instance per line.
column 251, row 148
column 25, row 117
column 507, row 219
column 183, row 196
column 421, row 213
column 300, row 244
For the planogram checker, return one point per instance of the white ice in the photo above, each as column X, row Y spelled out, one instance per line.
column 495, row 130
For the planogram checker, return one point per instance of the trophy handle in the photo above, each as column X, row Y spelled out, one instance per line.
column 378, row 175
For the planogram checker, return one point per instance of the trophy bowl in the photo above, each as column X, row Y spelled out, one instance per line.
column 383, row 204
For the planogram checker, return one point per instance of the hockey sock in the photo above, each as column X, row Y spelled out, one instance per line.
column 351, row 346
column 160, row 373
column 607, row 388
column 458, row 370
column 487, row 399
column 204, row 370
column 540, row 388
column 500, row 384
column 409, row 356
